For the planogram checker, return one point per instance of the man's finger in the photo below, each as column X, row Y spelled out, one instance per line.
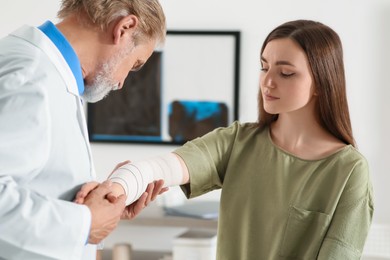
column 106, row 183
column 111, row 198
column 85, row 189
column 121, row 200
column 89, row 186
column 103, row 189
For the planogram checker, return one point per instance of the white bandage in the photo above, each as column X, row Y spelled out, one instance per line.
column 135, row 177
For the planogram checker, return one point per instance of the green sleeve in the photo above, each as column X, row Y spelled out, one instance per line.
column 352, row 218
column 206, row 159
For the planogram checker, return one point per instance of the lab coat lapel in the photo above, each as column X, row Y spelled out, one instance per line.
column 39, row 39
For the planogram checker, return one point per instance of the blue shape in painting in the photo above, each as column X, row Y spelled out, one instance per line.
column 191, row 119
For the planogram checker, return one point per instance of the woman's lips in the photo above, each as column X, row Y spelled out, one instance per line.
column 270, row 98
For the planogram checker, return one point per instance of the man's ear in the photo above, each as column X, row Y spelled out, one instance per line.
column 123, row 26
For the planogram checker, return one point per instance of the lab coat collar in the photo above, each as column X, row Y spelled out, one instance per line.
column 67, row 51
column 41, row 41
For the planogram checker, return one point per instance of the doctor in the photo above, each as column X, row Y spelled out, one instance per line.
column 45, row 155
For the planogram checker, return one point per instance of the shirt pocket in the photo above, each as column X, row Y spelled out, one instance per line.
column 304, row 232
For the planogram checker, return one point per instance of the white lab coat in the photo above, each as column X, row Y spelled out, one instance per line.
column 44, row 153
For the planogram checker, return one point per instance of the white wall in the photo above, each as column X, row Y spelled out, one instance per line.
column 18, row 12
column 362, row 25
column 364, row 29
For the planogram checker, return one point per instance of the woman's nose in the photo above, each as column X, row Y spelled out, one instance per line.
column 267, row 80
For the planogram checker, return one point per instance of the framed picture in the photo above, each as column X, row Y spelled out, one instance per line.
column 186, row 89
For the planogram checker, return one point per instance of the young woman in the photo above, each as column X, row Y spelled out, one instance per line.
column 293, row 184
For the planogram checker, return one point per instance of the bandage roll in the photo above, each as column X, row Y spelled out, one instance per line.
column 135, row 177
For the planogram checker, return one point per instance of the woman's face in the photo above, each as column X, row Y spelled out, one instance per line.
column 286, row 81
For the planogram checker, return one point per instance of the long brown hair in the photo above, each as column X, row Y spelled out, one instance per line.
column 324, row 51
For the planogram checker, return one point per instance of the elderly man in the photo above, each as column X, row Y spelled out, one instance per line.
column 45, row 73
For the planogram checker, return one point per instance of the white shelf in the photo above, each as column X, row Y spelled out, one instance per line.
column 136, row 255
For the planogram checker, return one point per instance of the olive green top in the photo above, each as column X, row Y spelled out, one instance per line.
column 275, row 205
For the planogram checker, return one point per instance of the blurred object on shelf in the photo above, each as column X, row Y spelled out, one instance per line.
column 122, row 251
column 195, row 245
column 196, row 209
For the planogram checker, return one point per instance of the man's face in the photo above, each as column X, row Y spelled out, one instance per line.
column 112, row 73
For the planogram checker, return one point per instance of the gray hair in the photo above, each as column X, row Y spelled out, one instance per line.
column 101, row 13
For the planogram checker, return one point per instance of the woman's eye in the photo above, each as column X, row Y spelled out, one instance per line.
column 286, row 75
column 264, row 69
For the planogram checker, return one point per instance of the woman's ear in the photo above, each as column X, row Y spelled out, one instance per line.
column 315, row 92
column 125, row 25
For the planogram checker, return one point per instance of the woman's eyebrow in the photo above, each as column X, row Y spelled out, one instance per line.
column 280, row 62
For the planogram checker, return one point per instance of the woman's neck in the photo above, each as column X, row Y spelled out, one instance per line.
column 303, row 136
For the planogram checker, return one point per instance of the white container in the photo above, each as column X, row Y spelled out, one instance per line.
column 121, row 252
column 195, row 245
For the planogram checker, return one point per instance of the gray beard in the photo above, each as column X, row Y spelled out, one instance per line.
column 103, row 83
column 100, row 88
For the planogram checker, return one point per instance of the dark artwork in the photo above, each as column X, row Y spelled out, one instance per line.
column 191, row 119
column 132, row 113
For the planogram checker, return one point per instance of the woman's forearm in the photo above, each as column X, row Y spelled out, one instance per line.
column 133, row 178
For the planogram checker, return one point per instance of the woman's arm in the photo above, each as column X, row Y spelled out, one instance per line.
column 132, row 178
column 351, row 221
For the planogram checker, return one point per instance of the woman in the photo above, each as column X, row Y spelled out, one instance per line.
column 293, row 185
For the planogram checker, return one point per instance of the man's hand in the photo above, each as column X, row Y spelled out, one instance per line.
column 84, row 191
column 88, row 187
column 105, row 213
column 152, row 191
